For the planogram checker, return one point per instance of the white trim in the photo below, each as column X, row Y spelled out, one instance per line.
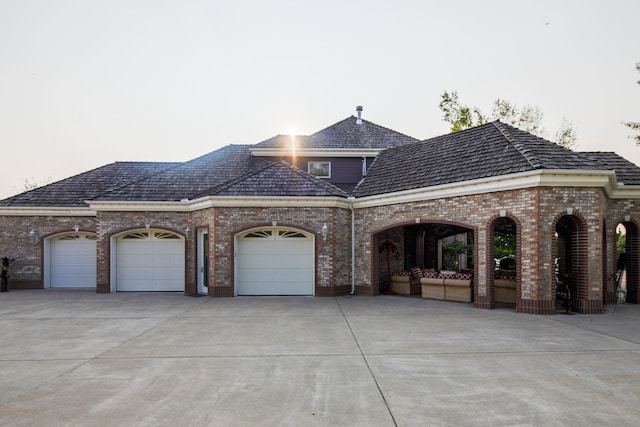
column 317, row 152
column 605, row 179
column 215, row 201
column 541, row 178
column 40, row 211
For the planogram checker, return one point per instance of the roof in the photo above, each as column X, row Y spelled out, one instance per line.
column 189, row 179
column 345, row 134
column 627, row 173
column 492, row 149
column 73, row 191
column 276, row 179
column 229, row 171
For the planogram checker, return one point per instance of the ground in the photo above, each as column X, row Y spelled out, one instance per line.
column 81, row 358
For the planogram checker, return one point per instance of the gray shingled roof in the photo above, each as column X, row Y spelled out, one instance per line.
column 493, row 149
column 344, row 134
column 276, row 179
column 73, row 191
column 191, row 178
column 626, row 172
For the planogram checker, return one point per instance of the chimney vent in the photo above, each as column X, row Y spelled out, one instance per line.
column 359, row 111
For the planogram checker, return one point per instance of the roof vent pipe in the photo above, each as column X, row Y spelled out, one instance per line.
column 359, row 111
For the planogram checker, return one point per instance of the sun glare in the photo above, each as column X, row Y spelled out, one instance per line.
column 293, row 147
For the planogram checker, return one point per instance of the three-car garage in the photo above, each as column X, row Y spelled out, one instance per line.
column 268, row 261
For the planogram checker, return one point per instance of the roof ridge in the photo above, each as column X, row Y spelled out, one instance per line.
column 526, row 153
column 364, row 121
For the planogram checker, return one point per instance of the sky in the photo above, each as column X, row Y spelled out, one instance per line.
column 85, row 83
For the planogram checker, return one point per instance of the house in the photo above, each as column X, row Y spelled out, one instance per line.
column 337, row 212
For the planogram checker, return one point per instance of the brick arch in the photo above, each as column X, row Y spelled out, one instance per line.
column 488, row 300
column 632, row 259
column 374, row 261
column 573, row 248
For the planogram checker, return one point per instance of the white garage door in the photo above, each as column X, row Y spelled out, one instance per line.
column 275, row 262
column 151, row 261
column 73, row 261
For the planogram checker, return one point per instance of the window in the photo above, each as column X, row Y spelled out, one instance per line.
column 320, row 169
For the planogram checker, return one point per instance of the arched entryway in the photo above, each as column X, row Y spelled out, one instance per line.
column 627, row 280
column 428, row 246
column 505, row 263
column 571, row 266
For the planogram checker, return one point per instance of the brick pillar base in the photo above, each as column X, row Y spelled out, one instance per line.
column 536, row 307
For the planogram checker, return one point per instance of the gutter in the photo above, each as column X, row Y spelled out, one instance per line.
column 353, row 245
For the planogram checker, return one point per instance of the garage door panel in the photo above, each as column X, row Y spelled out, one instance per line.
column 72, row 261
column 150, row 261
column 274, row 262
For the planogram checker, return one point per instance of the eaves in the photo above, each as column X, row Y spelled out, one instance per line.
column 529, row 179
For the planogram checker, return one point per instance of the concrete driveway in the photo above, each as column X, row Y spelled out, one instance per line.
column 80, row 358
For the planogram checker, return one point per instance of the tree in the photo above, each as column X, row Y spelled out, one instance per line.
column 32, row 183
column 527, row 118
column 566, row 135
column 634, row 125
column 459, row 116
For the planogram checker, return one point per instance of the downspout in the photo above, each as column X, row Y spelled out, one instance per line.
column 353, row 246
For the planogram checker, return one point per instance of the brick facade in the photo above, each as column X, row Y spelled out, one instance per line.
column 536, row 213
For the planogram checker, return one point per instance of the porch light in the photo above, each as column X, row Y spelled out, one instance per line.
column 34, row 236
column 325, row 232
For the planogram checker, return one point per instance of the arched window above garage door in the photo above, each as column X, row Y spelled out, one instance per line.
column 150, row 235
column 274, row 234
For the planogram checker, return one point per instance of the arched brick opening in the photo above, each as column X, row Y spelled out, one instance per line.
column 632, row 261
column 416, row 245
column 503, row 271
column 571, row 253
